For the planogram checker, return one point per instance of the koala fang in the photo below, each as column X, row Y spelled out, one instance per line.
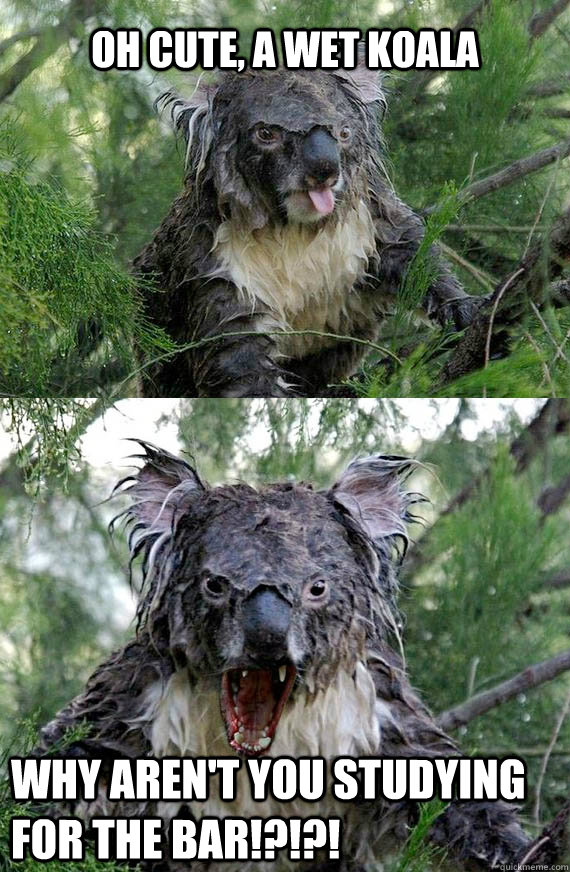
column 287, row 229
column 267, row 626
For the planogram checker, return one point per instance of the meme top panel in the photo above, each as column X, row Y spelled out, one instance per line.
column 251, row 201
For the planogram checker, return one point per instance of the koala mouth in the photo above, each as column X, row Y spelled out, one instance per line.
column 252, row 701
column 322, row 199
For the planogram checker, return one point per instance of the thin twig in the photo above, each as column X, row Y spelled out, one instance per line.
column 543, row 766
column 490, row 228
column 484, row 279
column 240, row 333
column 472, row 673
column 547, row 376
column 533, row 849
column 469, row 352
column 548, row 332
column 559, row 352
column 498, row 298
column 538, row 215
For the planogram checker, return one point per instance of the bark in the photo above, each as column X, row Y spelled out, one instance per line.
column 559, row 580
column 549, row 88
column 540, row 22
column 553, row 497
column 19, row 37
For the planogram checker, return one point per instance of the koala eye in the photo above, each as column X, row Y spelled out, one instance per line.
column 345, row 133
column 215, row 587
column 316, row 592
column 267, row 135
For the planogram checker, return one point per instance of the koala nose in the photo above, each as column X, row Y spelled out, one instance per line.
column 266, row 618
column 320, row 158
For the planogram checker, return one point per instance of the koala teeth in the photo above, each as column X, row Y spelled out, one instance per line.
column 282, row 673
column 263, row 741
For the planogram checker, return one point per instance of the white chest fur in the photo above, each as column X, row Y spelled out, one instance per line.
column 342, row 720
column 303, row 274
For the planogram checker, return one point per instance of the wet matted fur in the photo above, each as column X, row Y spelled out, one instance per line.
column 273, row 606
column 287, row 223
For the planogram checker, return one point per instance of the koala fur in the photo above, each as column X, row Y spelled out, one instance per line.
column 267, row 625
column 287, row 229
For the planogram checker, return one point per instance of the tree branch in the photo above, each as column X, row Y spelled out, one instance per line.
column 510, row 301
column 559, row 580
column 46, row 45
column 549, row 88
column 530, row 677
column 560, row 292
column 19, row 37
column 556, row 113
column 552, row 498
column 552, row 420
column 540, row 22
column 517, row 170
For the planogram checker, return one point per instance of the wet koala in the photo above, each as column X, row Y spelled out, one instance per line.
column 267, row 626
column 287, row 236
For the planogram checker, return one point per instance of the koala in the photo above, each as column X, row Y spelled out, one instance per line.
column 287, row 241
column 268, row 626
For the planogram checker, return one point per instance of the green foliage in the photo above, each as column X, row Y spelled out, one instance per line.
column 417, row 854
column 61, row 289
column 304, row 439
column 9, row 809
column 537, row 366
column 45, row 431
column 486, row 582
column 422, row 270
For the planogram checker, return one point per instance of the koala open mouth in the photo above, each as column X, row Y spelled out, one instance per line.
column 252, row 701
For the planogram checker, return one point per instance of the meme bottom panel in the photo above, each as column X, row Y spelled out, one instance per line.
column 285, row 634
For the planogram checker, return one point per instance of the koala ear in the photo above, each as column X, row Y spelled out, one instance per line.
column 181, row 110
column 370, row 489
column 365, row 84
column 159, row 491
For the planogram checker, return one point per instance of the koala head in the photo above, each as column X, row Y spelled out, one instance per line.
column 265, row 593
column 281, row 145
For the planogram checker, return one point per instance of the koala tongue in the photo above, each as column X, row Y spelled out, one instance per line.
column 322, row 200
column 255, row 702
